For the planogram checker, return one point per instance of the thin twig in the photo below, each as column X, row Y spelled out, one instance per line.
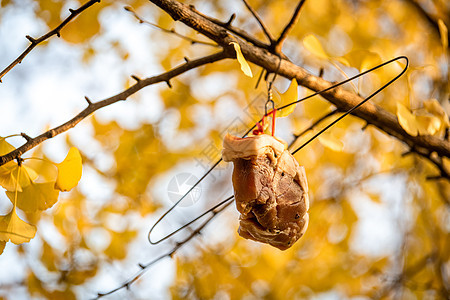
column 34, row 42
column 407, row 272
column 261, row 23
column 287, row 29
column 93, row 106
column 437, row 161
column 315, row 123
column 171, row 31
column 237, row 31
column 145, row 267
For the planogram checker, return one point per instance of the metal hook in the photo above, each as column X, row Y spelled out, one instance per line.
column 265, row 107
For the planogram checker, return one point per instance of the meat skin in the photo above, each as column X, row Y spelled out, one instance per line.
column 270, row 189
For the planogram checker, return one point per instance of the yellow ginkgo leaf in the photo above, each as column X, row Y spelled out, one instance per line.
column 36, row 196
column 5, row 147
column 241, row 59
column 2, row 246
column 27, row 176
column 314, row 46
column 30, row 172
column 13, row 229
column 371, row 60
column 7, row 179
column 363, row 59
column 9, row 173
column 69, row 171
column 407, row 120
column 331, row 142
column 446, row 163
column 287, row 97
column 434, row 107
column 427, row 124
column 48, row 257
column 443, row 30
column 86, row 26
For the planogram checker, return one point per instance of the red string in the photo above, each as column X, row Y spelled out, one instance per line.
column 260, row 125
column 260, row 128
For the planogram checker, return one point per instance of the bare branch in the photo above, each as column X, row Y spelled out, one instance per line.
column 93, row 106
column 261, row 23
column 171, row 31
column 89, row 102
column 56, row 31
column 294, row 19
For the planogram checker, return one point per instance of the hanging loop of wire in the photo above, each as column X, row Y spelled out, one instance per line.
column 229, row 199
column 272, row 112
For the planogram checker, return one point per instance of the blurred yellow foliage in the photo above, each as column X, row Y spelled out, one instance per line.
column 378, row 226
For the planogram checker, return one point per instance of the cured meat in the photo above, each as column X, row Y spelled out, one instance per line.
column 270, row 189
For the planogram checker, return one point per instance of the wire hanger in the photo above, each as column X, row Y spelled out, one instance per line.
column 273, row 111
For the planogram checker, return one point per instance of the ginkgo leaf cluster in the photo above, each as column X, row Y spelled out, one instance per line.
column 30, row 195
column 431, row 120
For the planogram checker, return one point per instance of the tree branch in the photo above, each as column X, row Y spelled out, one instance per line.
column 294, row 19
column 56, row 31
column 237, row 31
column 343, row 100
column 264, row 28
column 93, row 106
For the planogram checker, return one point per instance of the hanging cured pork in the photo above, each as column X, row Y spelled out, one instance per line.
column 270, row 189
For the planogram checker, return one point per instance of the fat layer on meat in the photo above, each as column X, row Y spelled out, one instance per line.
column 270, row 189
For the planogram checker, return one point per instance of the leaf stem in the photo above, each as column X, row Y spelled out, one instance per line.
column 41, row 159
column 56, row 31
column 12, row 135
